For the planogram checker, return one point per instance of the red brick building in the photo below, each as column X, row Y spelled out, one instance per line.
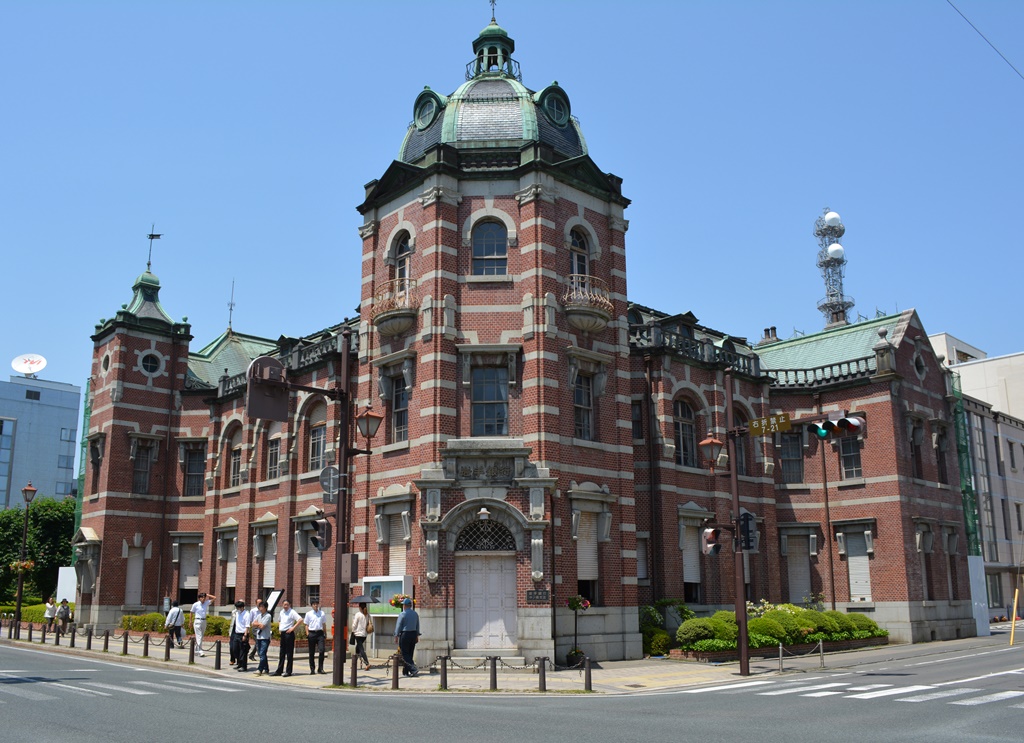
column 540, row 432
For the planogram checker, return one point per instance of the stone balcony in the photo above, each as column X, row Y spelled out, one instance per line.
column 587, row 304
column 393, row 311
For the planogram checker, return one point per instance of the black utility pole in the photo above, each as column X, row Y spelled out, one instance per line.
column 340, row 519
column 734, row 487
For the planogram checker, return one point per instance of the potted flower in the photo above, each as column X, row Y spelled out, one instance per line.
column 398, row 598
column 22, row 566
column 577, row 603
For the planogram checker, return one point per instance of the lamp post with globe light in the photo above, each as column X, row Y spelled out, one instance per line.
column 28, row 493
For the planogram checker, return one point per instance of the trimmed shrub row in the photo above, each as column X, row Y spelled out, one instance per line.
column 32, row 613
column 785, row 623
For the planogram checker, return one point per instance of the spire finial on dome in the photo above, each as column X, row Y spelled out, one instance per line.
column 152, row 236
column 493, row 18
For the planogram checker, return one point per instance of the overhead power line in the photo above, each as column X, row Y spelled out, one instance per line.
column 986, row 39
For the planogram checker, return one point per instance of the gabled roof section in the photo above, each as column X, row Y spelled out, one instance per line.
column 845, row 343
column 231, row 351
column 397, row 178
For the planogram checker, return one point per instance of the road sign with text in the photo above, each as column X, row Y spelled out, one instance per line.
column 769, row 425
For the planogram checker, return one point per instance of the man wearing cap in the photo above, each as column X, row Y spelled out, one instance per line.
column 239, row 636
column 407, row 634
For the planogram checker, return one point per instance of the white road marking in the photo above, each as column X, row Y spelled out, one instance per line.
column 724, row 688
column 77, row 689
column 998, row 697
column 799, row 689
column 824, row 693
column 165, row 687
column 889, row 692
column 979, row 678
column 15, row 691
column 123, row 689
column 869, row 687
column 938, row 695
column 204, row 687
column 959, row 657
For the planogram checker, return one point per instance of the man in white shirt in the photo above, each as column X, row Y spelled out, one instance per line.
column 315, row 626
column 199, row 612
column 238, row 635
column 254, row 614
column 287, row 623
column 173, row 622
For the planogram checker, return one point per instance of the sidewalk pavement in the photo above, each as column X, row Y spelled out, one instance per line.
column 608, row 677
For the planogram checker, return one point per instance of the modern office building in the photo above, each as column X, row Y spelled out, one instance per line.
column 38, row 438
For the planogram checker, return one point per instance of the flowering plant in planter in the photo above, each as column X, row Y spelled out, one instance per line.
column 577, row 603
column 398, row 598
column 22, row 566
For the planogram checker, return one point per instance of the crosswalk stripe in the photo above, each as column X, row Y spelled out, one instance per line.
column 123, row 689
column 724, row 688
column 998, row 697
column 78, row 689
column 165, row 687
column 824, row 693
column 890, row 692
column 800, row 689
column 204, row 687
column 869, row 687
column 938, row 695
column 33, row 696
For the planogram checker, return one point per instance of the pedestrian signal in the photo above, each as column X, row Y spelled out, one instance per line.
column 709, row 541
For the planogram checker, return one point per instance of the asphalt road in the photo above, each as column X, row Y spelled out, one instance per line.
column 907, row 694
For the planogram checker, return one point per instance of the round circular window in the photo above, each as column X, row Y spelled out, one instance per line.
column 150, row 363
column 425, row 112
column 557, row 109
column 106, row 362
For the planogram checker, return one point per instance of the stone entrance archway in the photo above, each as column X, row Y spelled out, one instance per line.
column 485, row 587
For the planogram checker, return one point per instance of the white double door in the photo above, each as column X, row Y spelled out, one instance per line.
column 485, row 601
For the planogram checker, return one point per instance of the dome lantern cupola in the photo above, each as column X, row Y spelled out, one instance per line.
column 493, row 49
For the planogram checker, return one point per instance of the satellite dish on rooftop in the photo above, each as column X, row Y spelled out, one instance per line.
column 28, row 364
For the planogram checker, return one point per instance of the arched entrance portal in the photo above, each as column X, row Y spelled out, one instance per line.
column 485, row 587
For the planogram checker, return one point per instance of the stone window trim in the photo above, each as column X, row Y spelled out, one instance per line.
column 950, row 531
column 490, row 214
column 226, row 534
column 394, row 501
column 588, row 231
column 263, row 527
column 811, row 530
column 690, row 514
column 489, row 354
column 589, row 362
column 152, row 440
column 591, row 498
column 924, row 533
column 939, row 428
column 391, row 366
column 179, row 538
column 842, row 527
column 97, row 446
column 189, row 443
column 390, row 245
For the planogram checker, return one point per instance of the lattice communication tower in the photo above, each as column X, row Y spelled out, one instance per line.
column 828, row 228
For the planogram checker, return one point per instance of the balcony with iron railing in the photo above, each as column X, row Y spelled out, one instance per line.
column 686, row 347
column 393, row 309
column 587, row 303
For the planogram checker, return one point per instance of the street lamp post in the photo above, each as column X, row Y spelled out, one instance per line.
column 28, row 493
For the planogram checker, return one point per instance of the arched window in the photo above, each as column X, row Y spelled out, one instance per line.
column 485, row 536
column 317, row 437
column 685, row 430
column 579, row 253
column 490, row 249
column 235, row 459
column 403, row 259
column 739, row 419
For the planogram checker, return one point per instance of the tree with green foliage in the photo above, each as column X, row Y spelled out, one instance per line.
column 11, row 522
column 51, row 525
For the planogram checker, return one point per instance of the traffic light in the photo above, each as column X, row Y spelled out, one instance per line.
column 709, row 541
column 748, row 532
column 839, row 427
column 322, row 539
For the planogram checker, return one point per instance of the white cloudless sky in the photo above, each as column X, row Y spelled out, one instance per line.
column 246, row 130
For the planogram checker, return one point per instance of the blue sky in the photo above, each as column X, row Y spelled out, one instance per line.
column 246, row 130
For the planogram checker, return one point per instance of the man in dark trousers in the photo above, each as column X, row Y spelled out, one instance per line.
column 240, row 636
column 407, row 634
column 288, row 622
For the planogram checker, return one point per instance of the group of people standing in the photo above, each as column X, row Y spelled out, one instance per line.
column 257, row 622
column 57, row 615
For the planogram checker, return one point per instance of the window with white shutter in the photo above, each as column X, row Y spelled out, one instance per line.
column 269, row 560
column 858, row 566
column 798, row 568
column 397, row 546
column 313, row 561
column 586, row 547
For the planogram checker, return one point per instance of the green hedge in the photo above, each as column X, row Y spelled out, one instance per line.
column 768, row 628
column 29, row 613
column 784, row 623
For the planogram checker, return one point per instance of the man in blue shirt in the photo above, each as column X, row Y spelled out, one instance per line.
column 407, row 634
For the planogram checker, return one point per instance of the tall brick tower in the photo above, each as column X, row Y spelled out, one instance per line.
column 494, row 331
column 139, row 361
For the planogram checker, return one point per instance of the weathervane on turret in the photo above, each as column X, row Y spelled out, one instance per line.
column 152, row 236
column 828, row 228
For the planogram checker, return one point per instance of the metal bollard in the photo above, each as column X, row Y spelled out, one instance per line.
column 56, row 635
column 145, row 645
column 587, row 683
column 444, row 672
column 74, row 631
column 494, row 671
column 780, row 657
column 106, row 640
column 821, row 652
column 167, row 649
column 394, row 670
column 124, row 648
column 216, row 655
column 88, row 638
column 542, row 674
column 353, row 676
column 29, row 632
column 192, row 651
